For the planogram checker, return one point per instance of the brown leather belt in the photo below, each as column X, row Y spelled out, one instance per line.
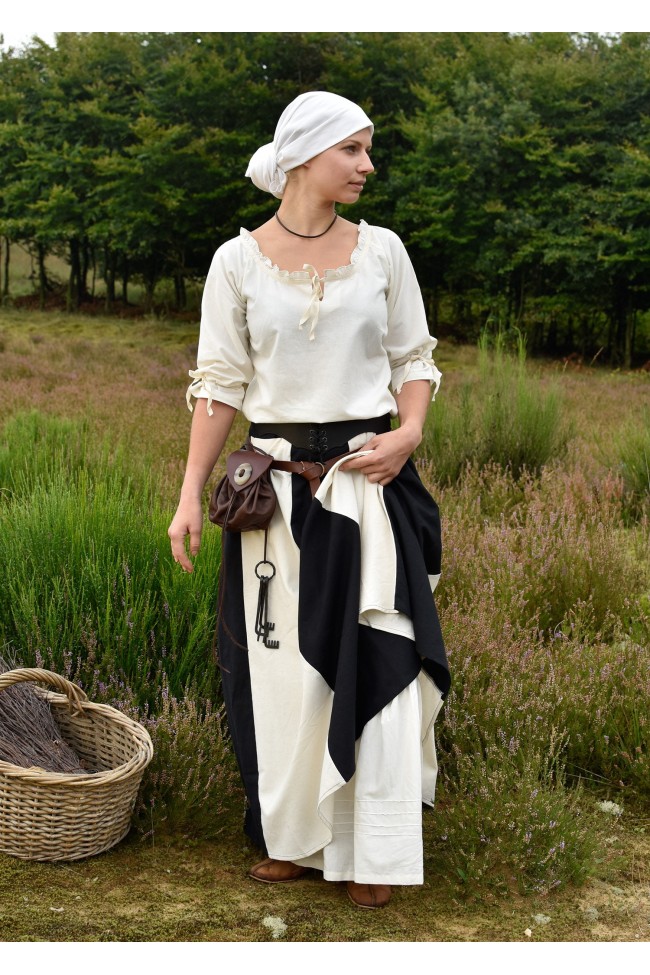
column 319, row 437
column 311, row 470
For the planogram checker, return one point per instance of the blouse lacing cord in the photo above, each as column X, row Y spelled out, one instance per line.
column 435, row 377
column 194, row 388
column 313, row 309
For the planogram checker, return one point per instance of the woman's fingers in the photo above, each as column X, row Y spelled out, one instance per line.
column 179, row 551
column 384, row 461
column 186, row 527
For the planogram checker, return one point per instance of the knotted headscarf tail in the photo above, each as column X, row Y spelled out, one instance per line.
column 311, row 123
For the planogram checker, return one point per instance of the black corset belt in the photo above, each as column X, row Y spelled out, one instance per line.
column 319, row 437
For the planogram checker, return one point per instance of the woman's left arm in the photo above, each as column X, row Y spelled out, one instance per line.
column 390, row 451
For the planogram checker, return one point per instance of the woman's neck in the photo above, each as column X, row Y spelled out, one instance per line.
column 305, row 217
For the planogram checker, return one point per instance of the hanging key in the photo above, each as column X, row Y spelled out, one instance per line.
column 262, row 625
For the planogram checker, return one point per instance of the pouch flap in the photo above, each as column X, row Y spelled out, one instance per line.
column 244, row 467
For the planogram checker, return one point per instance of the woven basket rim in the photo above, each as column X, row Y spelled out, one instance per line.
column 136, row 764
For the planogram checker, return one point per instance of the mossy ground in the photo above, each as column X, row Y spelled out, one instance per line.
column 180, row 890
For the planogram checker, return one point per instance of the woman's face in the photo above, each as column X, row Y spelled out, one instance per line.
column 339, row 173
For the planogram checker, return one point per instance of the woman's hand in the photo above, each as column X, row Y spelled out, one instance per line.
column 207, row 439
column 187, row 524
column 390, row 451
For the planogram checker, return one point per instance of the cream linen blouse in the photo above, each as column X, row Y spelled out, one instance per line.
column 291, row 347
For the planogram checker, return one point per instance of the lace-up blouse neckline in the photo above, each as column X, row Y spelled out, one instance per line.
column 312, row 311
column 308, row 271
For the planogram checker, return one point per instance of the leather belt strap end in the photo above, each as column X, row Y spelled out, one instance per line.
column 311, row 470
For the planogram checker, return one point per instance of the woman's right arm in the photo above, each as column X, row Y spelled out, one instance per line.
column 207, row 439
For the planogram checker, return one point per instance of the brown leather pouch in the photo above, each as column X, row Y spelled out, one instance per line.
column 244, row 499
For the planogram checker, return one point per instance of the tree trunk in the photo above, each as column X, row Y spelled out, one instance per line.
column 74, row 280
column 86, row 262
column 519, row 297
column 42, row 276
column 110, row 262
column 551, row 336
column 5, row 282
column 125, row 281
column 149, row 288
column 150, row 278
column 93, row 268
column 623, row 324
column 630, row 330
column 181, row 294
column 434, row 308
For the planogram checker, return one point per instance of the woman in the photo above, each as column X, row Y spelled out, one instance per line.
column 315, row 328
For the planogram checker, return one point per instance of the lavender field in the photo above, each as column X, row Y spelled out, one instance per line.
column 541, row 472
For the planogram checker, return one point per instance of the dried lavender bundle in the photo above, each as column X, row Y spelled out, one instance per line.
column 29, row 735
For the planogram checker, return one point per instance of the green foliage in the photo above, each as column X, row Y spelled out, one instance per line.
column 35, row 447
column 525, row 186
column 509, row 416
column 632, row 451
column 515, row 165
column 86, row 580
column 448, row 440
column 521, row 425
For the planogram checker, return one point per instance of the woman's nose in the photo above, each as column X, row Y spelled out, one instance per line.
column 366, row 165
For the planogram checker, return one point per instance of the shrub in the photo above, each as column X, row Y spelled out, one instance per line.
column 192, row 781
column 508, row 417
column 533, row 550
column 448, row 439
column 191, row 784
column 632, row 449
column 505, row 819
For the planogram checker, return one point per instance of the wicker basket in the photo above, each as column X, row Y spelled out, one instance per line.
column 54, row 816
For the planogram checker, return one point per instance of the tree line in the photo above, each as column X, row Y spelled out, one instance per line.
column 515, row 167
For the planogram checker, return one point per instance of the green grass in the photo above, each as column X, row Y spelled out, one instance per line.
column 631, row 448
column 86, row 582
column 507, row 414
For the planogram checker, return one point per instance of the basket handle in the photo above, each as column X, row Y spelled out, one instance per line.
column 74, row 694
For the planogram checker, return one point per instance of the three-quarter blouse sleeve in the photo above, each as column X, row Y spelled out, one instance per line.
column 408, row 343
column 224, row 367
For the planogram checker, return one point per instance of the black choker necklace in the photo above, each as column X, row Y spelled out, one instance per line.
column 305, row 236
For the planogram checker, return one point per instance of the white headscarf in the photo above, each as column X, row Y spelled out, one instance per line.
column 311, row 123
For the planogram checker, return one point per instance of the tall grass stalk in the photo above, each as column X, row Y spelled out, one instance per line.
column 507, row 416
column 520, row 425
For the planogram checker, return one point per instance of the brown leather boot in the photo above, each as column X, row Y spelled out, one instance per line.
column 277, row 871
column 369, row 896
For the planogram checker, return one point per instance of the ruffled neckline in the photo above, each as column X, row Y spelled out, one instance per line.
column 330, row 273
